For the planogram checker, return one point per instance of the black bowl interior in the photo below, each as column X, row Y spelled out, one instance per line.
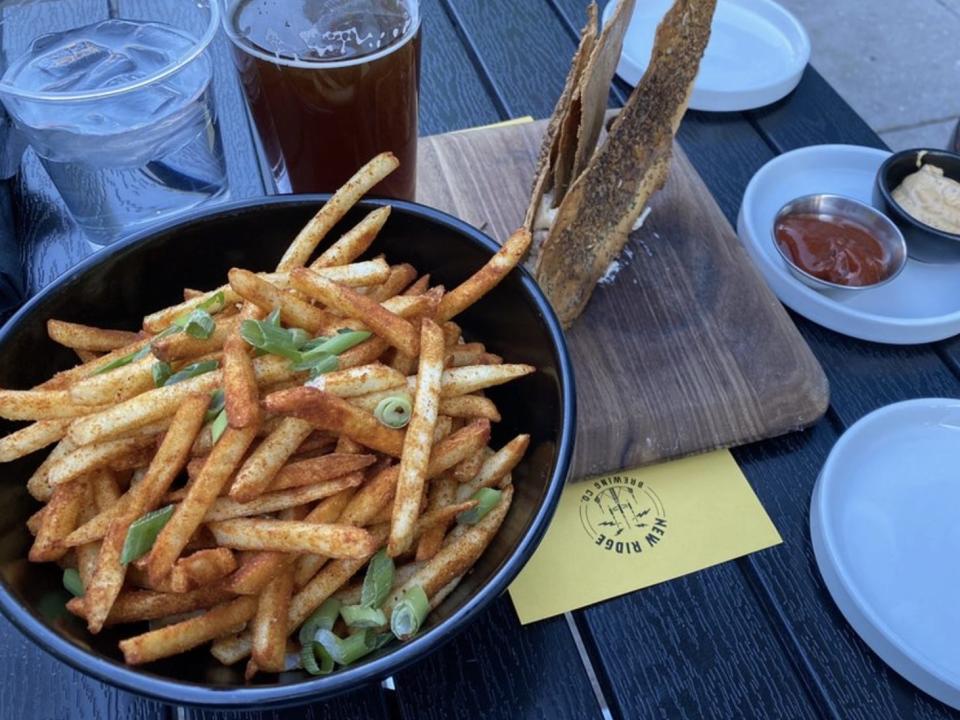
column 904, row 163
column 118, row 286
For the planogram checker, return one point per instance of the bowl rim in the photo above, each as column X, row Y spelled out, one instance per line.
column 883, row 185
column 131, row 678
column 820, row 283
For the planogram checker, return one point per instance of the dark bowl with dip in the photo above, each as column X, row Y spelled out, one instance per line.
column 924, row 242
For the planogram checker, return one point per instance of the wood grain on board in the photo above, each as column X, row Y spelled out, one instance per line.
column 685, row 349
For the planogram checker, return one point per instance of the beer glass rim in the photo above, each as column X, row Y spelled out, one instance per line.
column 248, row 47
column 197, row 49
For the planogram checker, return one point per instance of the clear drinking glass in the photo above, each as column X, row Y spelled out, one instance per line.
column 116, row 98
column 330, row 84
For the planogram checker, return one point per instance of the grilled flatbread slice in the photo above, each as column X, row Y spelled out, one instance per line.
column 595, row 217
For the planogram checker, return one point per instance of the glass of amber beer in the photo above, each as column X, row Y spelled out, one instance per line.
column 330, row 83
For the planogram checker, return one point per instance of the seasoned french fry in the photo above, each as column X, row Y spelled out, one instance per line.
column 241, row 395
column 335, row 208
column 364, row 353
column 262, row 466
column 85, row 337
column 470, row 354
column 87, row 554
column 33, row 437
column 418, row 440
column 114, row 386
column 399, row 278
column 201, row 569
column 140, row 605
column 35, row 521
column 66, row 378
column 471, row 378
column 228, row 508
column 391, row 327
column 359, row 380
column 354, row 242
column 452, row 334
column 496, row 467
column 421, row 286
column 470, row 407
column 320, row 469
column 183, row 346
column 269, row 625
column 59, row 519
column 293, row 310
column 86, row 356
column 441, row 516
column 339, row 541
column 38, row 484
column 326, row 411
column 108, row 576
column 93, row 457
column 443, row 492
column 223, row 461
column 42, row 405
column 186, row 635
column 486, row 278
column 467, row 469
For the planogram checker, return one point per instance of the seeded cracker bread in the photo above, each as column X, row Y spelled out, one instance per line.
column 595, row 217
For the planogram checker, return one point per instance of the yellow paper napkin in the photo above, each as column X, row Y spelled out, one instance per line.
column 628, row 530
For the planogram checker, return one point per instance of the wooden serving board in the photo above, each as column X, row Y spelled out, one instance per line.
column 686, row 350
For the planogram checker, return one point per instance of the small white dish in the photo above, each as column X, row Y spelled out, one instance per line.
column 920, row 305
column 883, row 521
column 756, row 54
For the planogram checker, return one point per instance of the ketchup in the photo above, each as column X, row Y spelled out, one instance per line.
column 833, row 248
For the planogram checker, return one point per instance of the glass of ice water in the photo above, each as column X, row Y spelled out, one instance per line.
column 116, row 98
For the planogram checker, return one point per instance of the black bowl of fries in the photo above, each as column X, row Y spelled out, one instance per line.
column 234, row 537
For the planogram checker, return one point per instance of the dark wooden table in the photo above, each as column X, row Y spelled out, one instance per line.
column 755, row 638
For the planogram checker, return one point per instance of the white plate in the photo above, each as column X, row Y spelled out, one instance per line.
column 921, row 305
column 883, row 520
column 756, row 54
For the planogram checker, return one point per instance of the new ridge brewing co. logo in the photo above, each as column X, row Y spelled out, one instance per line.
column 622, row 515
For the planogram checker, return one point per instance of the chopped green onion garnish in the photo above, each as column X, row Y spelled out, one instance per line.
column 378, row 580
column 211, row 306
column 317, row 366
column 339, row 343
column 361, row 616
column 219, row 426
column 344, row 331
column 143, row 532
column 380, row 640
column 72, row 582
column 199, row 324
column 273, row 318
column 409, row 613
column 161, row 373
column 345, row 650
column 323, row 619
column 315, row 659
column 217, row 402
column 298, row 337
column 126, row 359
column 269, row 337
column 192, row 371
column 487, row 499
column 394, row 411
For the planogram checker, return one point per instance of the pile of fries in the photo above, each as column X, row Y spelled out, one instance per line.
column 294, row 466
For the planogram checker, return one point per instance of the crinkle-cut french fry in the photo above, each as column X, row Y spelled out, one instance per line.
column 85, row 337
column 140, row 605
column 360, row 380
column 41, row 405
column 258, row 568
column 418, row 441
column 33, row 437
column 269, row 625
column 259, row 470
column 443, row 493
column 186, row 518
column 186, row 635
column 396, row 330
column 496, row 467
column 86, row 459
column 471, row 354
column 59, row 520
column 354, row 242
column 293, row 310
column 470, row 407
column 459, row 552
column 202, row 569
column 320, row 469
column 486, row 278
column 333, row 211
column 471, row 378
column 228, row 508
column 38, row 484
column 162, row 402
column 65, row 378
column 115, row 386
column 326, row 411
column 332, row 540
column 241, row 394
column 183, row 346
column 399, row 278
